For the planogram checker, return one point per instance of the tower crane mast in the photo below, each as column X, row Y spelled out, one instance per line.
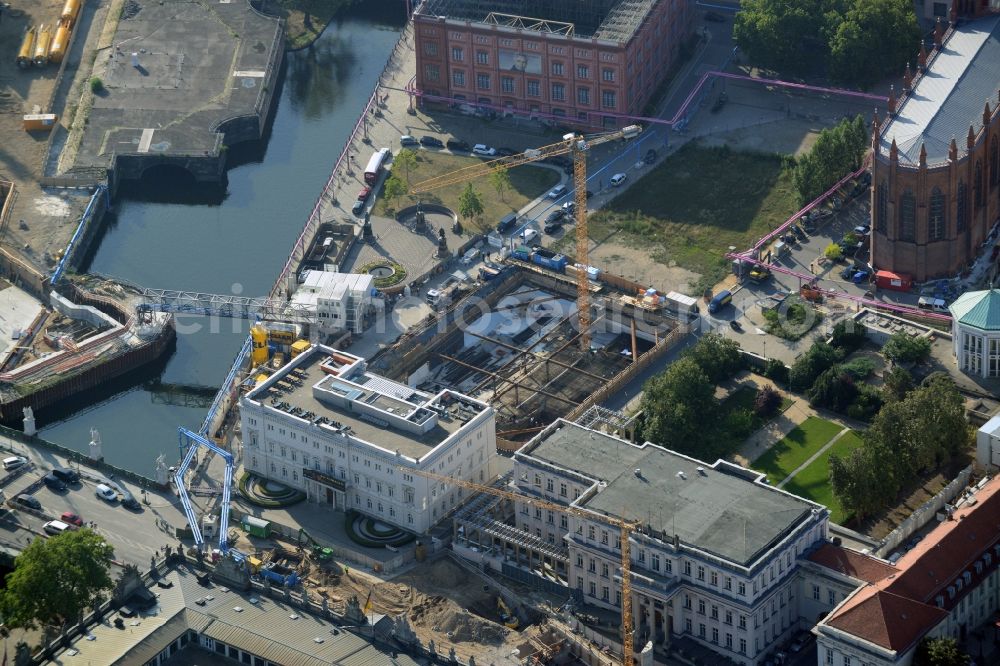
column 577, row 146
column 624, row 526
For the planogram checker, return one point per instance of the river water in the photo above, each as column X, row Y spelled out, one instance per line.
column 231, row 240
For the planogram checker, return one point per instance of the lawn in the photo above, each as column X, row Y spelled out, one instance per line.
column 796, row 447
column 698, row 203
column 814, row 481
column 528, row 183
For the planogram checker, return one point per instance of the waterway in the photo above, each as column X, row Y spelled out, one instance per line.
column 236, row 239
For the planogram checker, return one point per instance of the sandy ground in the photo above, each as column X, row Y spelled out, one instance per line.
column 637, row 264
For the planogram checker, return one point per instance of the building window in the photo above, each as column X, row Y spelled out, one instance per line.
column 729, row 641
column 687, row 601
column 701, row 606
column 701, row 630
column 506, row 84
column 962, row 208
column 687, row 568
column 994, row 167
column 715, row 634
column 972, row 353
column 831, row 597
column 882, row 208
column 533, row 89
column 558, row 91
column 715, row 612
column 741, row 588
column 583, row 95
column 816, row 592
column 687, row 625
column 829, row 656
column 907, row 216
column 701, row 572
column 430, row 48
column 458, row 79
column 432, row 72
column 456, row 54
column 604, row 570
column 482, row 58
column 729, row 617
column 582, row 72
column 593, row 589
column 743, row 621
column 993, row 371
column 607, row 74
column 557, row 68
column 936, row 222
column 715, row 579
column 743, row 646
column 608, row 99
column 655, row 562
column 483, row 81
column 977, row 184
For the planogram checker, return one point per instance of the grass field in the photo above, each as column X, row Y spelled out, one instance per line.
column 528, row 183
column 796, row 447
column 696, row 204
column 813, row 482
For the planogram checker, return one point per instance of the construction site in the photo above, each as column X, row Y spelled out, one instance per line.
column 514, row 342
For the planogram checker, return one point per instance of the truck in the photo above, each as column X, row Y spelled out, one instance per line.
column 375, row 165
column 682, row 304
column 487, row 273
column 721, row 300
column 893, row 281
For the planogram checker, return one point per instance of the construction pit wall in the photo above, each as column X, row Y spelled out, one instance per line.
column 555, row 378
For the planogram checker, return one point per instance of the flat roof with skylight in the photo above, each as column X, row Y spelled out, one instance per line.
column 334, row 391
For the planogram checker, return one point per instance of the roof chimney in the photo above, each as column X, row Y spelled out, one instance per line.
column 892, row 100
column 970, row 140
column 938, row 32
column 922, row 58
column 986, row 114
column 953, row 150
column 907, row 78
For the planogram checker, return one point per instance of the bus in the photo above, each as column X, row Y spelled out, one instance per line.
column 375, row 165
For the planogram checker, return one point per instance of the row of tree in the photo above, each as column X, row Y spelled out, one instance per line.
column 855, row 42
column 914, row 432
column 837, row 152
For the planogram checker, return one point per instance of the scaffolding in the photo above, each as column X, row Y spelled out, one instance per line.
column 614, row 20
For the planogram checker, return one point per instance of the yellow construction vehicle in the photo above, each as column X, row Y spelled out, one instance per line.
column 625, row 528
column 573, row 144
column 506, row 616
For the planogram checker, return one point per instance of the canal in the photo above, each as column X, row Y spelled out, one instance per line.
column 167, row 233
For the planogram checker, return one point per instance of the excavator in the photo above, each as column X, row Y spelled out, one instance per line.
column 506, row 616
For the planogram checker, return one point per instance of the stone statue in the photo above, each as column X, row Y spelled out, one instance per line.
column 161, row 470
column 95, row 445
column 353, row 612
column 432, row 649
column 231, row 572
column 452, row 657
column 402, row 630
column 326, row 606
column 29, row 422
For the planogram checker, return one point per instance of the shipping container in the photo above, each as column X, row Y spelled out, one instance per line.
column 682, row 304
column 894, row 281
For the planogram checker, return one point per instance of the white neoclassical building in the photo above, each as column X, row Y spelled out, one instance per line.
column 975, row 331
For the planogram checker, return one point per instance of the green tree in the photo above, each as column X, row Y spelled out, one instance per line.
column 834, row 388
column 500, row 179
column 848, row 335
column 940, row 652
column 858, row 483
column 406, row 159
column 470, row 203
column 776, row 370
column 394, row 188
column 904, row 348
column 833, row 252
column 676, row 404
column 875, row 39
column 719, row 357
column 819, row 358
column 785, row 35
column 896, row 384
column 56, row 579
column 837, row 151
column 767, row 401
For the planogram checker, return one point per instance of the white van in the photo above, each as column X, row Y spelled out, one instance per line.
column 618, row 179
column 933, row 304
column 56, row 527
column 13, row 462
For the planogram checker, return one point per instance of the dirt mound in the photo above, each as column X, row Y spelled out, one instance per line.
column 445, row 574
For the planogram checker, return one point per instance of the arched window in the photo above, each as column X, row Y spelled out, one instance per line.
column 994, row 157
column 977, row 184
column 936, row 221
column 882, row 208
column 962, row 208
column 907, row 216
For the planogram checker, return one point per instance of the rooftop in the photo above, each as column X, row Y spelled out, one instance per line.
column 720, row 509
column 852, row 563
column 332, row 286
column 334, row 391
column 278, row 631
column 613, row 20
column 950, row 96
column 978, row 309
column 895, row 610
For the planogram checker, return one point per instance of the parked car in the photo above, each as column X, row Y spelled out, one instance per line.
column 507, row 223
column 569, row 207
column 71, row 518
column 557, row 191
column 458, row 146
column 735, row 325
column 618, row 179
column 483, row 150
column 506, row 152
column 13, row 462
column 862, row 230
column 556, row 215
column 29, row 501
column 650, row 156
column 799, row 232
column 105, row 492
column 364, row 192
column 53, row 482
column 407, row 140
column 431, row 142
column 529, row 235
column 358, row 208
column 553, row 226
column 54, row 527
column 66, row 474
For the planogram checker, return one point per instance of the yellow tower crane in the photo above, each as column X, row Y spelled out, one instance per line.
column 571, row 143
column 625, row 526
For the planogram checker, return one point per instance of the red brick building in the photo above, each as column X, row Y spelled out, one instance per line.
column 588, row 61
column 936, row 167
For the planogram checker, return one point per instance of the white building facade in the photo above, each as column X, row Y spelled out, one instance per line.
column 351, row 440
column 975, row 330
column 341, row 301
column 703, row 565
